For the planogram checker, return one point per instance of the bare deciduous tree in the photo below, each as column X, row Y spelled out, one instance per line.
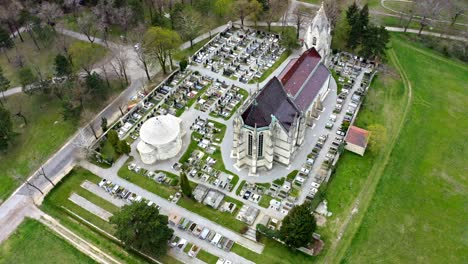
column 429, row 10
column 333, row 12
column 119, row 63
column 136, row 36
column 9, row 15
column 300, row 14
column 49, row 12
column 124, row 17
column 189, row 24
column 83, row 143
column 242, row 8
column 88, row 25
column 455, row 11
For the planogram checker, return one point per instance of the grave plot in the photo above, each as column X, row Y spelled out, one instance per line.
column 240, row 54
column 212, row 96
column 227, row 104
column 202, row 160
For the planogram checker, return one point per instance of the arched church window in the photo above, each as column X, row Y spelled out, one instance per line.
column 250, row 140
column 260, row 145
column 314, row 41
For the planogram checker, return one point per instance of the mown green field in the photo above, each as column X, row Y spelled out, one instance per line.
column 418, row 213
column 383, row 107
column 415, row 214
column 33, row 242
column 45, row 132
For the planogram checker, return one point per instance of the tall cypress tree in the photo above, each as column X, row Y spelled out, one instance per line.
column 185, row 185
column 352, row 16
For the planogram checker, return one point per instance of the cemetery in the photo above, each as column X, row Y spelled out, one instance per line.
column 240, row 54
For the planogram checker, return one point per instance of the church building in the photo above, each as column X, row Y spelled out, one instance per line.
column 271, row 125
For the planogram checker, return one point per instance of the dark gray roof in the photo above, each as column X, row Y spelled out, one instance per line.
column 271, row 101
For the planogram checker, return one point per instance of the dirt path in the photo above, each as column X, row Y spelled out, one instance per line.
column 79, row 243
column 356, row 214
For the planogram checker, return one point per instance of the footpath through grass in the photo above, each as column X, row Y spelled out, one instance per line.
column 354, row 181
column 418, row 211
column 33, row 242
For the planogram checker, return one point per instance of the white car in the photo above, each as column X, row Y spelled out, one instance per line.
column 315, row 185
column 333, row 118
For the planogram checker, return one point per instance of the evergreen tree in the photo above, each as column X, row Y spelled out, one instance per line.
column 26, row 76
column 104, row 124
column 356, row 17
column 364, row 17
column 375, row 42
column 5, row 41
column 113, row 138
column 123, row 147
column 71, row 112
column 95, row 84
column 298, row 226
column 6, row 128
column 4, row 83
column 62, row 65
column 185, row 185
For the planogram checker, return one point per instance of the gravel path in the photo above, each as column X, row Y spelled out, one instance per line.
column 89, row 206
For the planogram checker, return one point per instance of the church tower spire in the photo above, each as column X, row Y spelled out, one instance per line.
column 318, row 34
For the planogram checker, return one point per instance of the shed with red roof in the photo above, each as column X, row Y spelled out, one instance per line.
column 356, row 140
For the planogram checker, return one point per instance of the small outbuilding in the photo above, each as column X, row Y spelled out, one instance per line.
column 356, row 140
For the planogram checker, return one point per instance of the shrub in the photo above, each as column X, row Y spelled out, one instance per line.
column 244, row 229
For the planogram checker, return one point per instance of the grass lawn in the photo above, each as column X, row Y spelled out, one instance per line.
column 265, row 201
column 44, row 134
column 23, row 246
column 290, row 177
column 421, row 198
column 274, row 252
column 185, row 53
column 159, row 189
column 383, row 105
column 56, row 204
column 239, row 189
column 207, row 257
column 187, row 247
column 42, row 59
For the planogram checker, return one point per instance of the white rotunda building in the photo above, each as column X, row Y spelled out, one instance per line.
column 161, row 138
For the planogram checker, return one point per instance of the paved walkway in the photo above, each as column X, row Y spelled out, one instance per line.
column 90, row 207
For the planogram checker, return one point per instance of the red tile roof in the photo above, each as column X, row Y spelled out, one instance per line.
column 357, row 136
column 294, row 76
column 287, row 68
column 311, row 88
